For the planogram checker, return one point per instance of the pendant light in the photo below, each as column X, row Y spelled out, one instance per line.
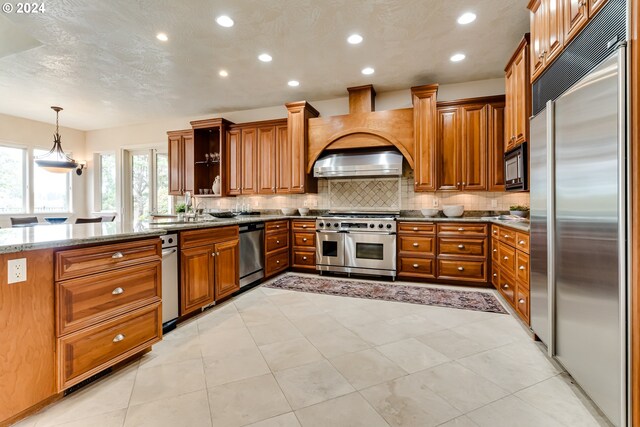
column 55, row 160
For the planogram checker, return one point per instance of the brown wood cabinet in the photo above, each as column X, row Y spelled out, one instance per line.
column 283, row 160
column 233, row 168
column 267, row 160
column 303, row 245
column 276, row 247
column 576, row 16
column 181, row 162
column 107, row 306
column 249, row 156
column 27, row 336
column 298, row 117
column 416, row 250
column 518, row 96
column 209, row 266
column 425, row 122
column 469, row 135
column 510, row 258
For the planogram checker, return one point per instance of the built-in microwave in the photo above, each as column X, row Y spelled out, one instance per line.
column 515, row 168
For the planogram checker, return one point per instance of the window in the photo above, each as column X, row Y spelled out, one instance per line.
column 107, row 170
column 162, row 183
column 51, row 191
column 13, row 180
column 148, row 192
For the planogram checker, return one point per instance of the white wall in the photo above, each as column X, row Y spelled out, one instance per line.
column 33, row 134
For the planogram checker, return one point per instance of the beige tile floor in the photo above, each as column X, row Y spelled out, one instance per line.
column 275, row 358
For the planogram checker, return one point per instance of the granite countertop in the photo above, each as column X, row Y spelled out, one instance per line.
column 65, row 235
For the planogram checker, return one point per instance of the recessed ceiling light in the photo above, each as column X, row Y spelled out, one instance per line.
column 293, row 83
column 457, row 57
column 466, row 18
column 368, row 70
column 354, row 39
column 162, row 37
column 224, row 21
column 223, row 73
column 265, row 57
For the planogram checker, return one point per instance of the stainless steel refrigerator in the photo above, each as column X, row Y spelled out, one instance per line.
column 578, row 233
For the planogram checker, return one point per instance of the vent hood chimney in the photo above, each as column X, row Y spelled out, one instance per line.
column 357, row 164
column 362, row 99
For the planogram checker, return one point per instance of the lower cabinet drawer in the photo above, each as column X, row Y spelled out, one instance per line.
column 277, row 241
column 420, row 245
column 522, row 269
column 304, row 259
column 522, row 303
column 462, row 229
column 304, row 239
column 473, row 271
column 507, row 255
column 275, row 226
column 416, row 267
column 495, row 251
column 91, row 350
column 495, row 275
column 507, row 287
column 457, row 246
column 276, row 262
column 88, row 300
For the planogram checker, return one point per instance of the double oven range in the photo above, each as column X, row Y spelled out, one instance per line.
column 358, row 243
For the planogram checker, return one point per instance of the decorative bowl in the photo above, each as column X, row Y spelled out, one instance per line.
column 55, row 220
column 223, row 214
column 522, row 214
column 303, row 211
column 289, row 211
column 429, row 212
column 453, row 211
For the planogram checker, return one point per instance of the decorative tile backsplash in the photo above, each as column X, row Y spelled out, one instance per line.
column 375, row 193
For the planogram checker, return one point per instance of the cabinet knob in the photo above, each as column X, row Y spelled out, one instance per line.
column 458, row 184
column 213, row 254
column 464, row 183
column 522, row 267
column 495, row 250
column 521, row 242
column 217, row 253
column 277, row 261
column 117, row 255
column 415, row 245
column 304, row 239
column 460, row 229
column 495, row 231
column 521, row 301
column 415, row 266
column 505, row 258
column 415, row 228
column 304, row 226
column 277, row 226
column 505, row 286
column 304, row 258
column 506, row 236
column 460, row 246
column 460, row 268
column 118, row 338
column 495, row 274
column 117, row 291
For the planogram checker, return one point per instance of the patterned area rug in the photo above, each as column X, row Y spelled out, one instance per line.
column 465, row 300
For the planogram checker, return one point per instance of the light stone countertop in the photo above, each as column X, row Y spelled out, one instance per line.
column 65, row 235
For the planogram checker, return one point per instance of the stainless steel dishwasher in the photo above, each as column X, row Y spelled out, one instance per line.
column 251, row 253
column 170, row 306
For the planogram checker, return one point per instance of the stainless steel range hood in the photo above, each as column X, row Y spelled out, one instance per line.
column 359, row 164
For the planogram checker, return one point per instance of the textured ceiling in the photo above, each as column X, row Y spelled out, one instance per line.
column 101, row 61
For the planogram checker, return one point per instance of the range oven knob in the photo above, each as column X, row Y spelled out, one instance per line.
column 388, row 225
column 336, row 224
column 380, row 225
column 371, row 225
column 321, row 224
column 328, row 224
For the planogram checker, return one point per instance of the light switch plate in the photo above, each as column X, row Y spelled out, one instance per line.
column 17, row 269
column 435, row 202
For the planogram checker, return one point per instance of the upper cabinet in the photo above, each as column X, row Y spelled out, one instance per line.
column 518, row 97
column 469, row 144
column 425, row 119
column 554, row 23
column 298, row 117
column 181, row 162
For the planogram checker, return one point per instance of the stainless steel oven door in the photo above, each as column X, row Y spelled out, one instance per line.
column 330, row 248
column 370, row 250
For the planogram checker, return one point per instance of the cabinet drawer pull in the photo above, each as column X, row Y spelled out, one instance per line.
column 521, row 301
column 505, row 258
column 495, row 274
column 460, row 229
column 415, row 245
column 118, row 338
column 304, row 239
column 460, row 246
column 117, row 291
column 217, row 253
column 522, row 267
column 117, row 255
column 415, row 266
column 277, row 226
column 277, row 261
column 304, row 226
column 460, row 268
column 213, row 254
column 521, row 242
column 304, row 258
column 495, row 250
column 506, row 236
column 495, row 231
column 415, row 228
column 505, row 286
column 277, row 242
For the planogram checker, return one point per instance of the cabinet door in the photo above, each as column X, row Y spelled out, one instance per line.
column 448, row 140
column 521, row 100
column 576, row 15
column 495, row 129
column 227, row 268
column 594, row 6
column 188, row 166
column 283, row 160
column 554, row 24
column 296, row 143
column 538, row 38
column 196, row 274
column 510, row 109
column 175, row 165
column 267, row 163
column 249, row 161
column 474, row 147
column 234, row 164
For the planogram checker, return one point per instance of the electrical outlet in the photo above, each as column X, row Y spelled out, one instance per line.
column 306, row 203
column 494, row 203
column 17, row 269
column 435, row 202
